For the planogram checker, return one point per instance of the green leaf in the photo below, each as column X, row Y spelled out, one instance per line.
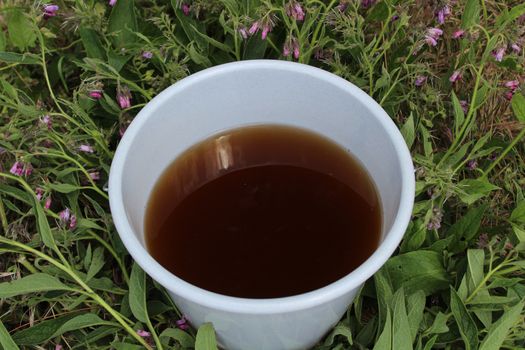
column 466, row 325
column 408, row 131
column 401, row 332
column 466, row 228
column 82, row 321
column 13, row 57
column 476, row 259
column 499, row 330
column 419, row 270
column 383, row 292
column 254, row 48
column 430, row 344
column 137, row 293
column 471, row 14
column 518, row 214
column 379, row 12
column 384, row 342
column 459, row 115
column 193, row 29
column 92, row 43
column 117, row 345
column 470, row 190
column 16, row 193
column 416, row 308
column 342, row 330
column 122, row 23
column 197, row 57
column 205, row 339
column 37, row 282
column 518, row 106
column 97, row 262
column 43, row 225
column 6, row 342
column 63, row 188
column 21, row 30
column 212, row 41
column 184, row 339
column 3, row 41
column 439, row 325
column 509, row 16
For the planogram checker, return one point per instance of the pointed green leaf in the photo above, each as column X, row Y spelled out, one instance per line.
column 518, row 214
column 518, row 106
column 205, row 339
column 137, row 293
column 473, row 189
column 6, row 342
column 122, row 23
column 384, row 342
column 467, row 326
column 408, row 131
column 13, row 57
column 416, row 308
column 21, row 30
column 471, row 14
column 459, row 115
column 401, row 333
column 499, row 330
column 184, row 339
column 37, row 282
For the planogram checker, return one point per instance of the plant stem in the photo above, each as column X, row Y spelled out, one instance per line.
column 504, row 153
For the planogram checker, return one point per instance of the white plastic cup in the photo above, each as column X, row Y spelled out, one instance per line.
column 261, row 92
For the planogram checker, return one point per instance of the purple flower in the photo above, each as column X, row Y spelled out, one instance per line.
column 50, row 11
column 47, row 203
column 254, row 28
column 182, row 323
column 286, row 49
column 95, row 94
column 185, row 8
column 435, row 220
column 144, row 334
column 73, row 222
column 17, row 168
column 295, row 10
column 86, row 149
column 464, row 106
column 367, row 3
column 455, row 76
column 65, row 215
column 434, row 32
column 458, row 34
column 39, row 192
column 58, row 347
column 483, row 241
column 516, row 48
column 46, row 120
column 433, row 35
column 243, row 32
column 513, row 85
column 472, row 164
column 498, row 54
column 296, row 52
column 343, row 5
column 394, row 18
column 124, row 97
column 508, row 95
column 443, row 14
column 420, row 80
column 430, row 40
column 112, row 3
column 147, row 54
column 95, row 175
column 265, row 30
column 28, row 169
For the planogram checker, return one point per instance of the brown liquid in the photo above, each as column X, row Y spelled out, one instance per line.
column 263, row 212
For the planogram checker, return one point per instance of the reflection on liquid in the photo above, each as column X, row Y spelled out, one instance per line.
column 224, row 154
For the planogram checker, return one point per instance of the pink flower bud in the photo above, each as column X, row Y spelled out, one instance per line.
column 147, row 54
column 144, row 334
column 73, row 222
column 516, row 48
column 243, row 32
column 254, row 28
column 17, row 168
column 498, row 54
column 458, row 34
column 86, row 149
column 455, row 76
column 430, row 40
column 46, row 120
column 185, row 9
column 420, row 80
column 39, row 192
column 95, row 175
column 47, row 203
column 112, row 3
column 124, row 97
column 265, row 30
column 95, row 94
column 512, row 84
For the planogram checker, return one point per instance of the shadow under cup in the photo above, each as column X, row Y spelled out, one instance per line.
column 261, row 92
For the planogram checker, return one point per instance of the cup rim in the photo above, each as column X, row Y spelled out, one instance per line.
column 303, row 301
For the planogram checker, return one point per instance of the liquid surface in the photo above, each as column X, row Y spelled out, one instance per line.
column 263, row 212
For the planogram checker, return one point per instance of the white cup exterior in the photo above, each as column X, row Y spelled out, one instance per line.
column 248, row 93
